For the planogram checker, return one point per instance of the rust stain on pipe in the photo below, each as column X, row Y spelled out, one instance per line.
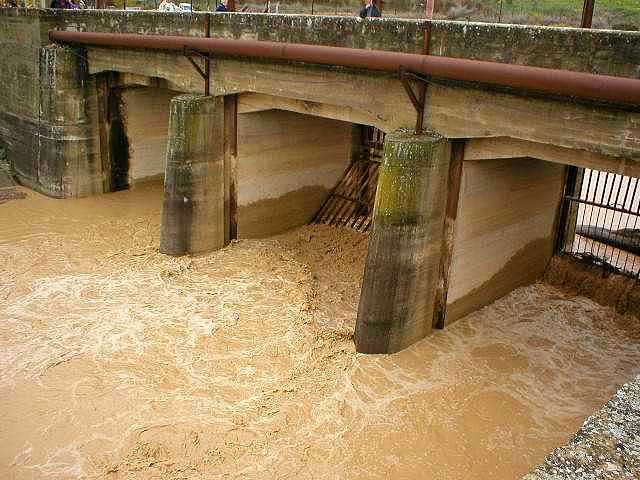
column 605, row 88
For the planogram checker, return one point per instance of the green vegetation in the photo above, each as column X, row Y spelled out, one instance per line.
column 621, row 14
column 617, row 14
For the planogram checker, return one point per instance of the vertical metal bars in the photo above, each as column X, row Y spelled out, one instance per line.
column 599, row 219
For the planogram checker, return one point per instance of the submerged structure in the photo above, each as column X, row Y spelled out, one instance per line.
column 252, row 120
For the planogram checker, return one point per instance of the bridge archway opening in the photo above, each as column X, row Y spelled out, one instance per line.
column 504, row 230
column 291, row 168
column 294, row 169
column 143, row 120
column 118, row 142
column 310, row 182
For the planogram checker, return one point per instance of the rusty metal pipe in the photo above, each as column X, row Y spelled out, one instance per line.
column 618, row 90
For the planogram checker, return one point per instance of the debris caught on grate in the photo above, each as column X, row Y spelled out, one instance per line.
column 350, row 203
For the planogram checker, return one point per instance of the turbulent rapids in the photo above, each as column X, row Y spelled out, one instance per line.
column 119, row 362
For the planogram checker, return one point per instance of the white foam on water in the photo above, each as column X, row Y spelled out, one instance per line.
column 119, row 362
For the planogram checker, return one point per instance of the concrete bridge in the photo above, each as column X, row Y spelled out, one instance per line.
column 465, row 211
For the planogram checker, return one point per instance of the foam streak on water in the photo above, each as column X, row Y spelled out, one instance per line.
column 119, row 362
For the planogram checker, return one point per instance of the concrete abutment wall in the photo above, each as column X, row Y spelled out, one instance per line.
column 505, row 229
column 68, row 162
column 287, row 165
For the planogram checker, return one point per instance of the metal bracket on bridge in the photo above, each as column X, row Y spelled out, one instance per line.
column 205, row 70
column 417, row 99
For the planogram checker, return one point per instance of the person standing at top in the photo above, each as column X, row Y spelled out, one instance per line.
column 168, row 6
column 370, row 10
column 227, row 6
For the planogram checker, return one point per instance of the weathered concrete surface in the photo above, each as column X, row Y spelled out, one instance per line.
column 5, row 180
column 402, row 269
column 504, row 230
column 68, row 161
column 193, row 213
column 8, row 190
column 454, row 111
column 258, row 102
column 146, row 115
column 45, row 120
column 506, row 147
column 599, row 51
column 5, row 170
column 287, row 164
column 607, row 446
column 19, row 74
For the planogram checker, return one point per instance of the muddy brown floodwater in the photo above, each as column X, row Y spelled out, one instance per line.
column 117, row 362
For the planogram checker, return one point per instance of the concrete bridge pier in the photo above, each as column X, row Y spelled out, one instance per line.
column 68, row 162
column 193, row 211
column 403, row 261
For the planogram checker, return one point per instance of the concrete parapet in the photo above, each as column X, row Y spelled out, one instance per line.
column 68, row 162
column 193, row 212
column 399, row 287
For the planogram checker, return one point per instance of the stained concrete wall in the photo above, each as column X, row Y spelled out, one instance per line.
column 598, row 51
column 504, row 231
column 23, row 32
column 287, row 164
column 19, row 103
column 146, row 115
column 19, row 72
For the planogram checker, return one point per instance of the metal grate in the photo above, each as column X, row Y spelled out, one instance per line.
column 601, row 217
column 350, row 203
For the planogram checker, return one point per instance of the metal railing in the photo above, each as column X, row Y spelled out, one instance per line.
column 601, row 219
